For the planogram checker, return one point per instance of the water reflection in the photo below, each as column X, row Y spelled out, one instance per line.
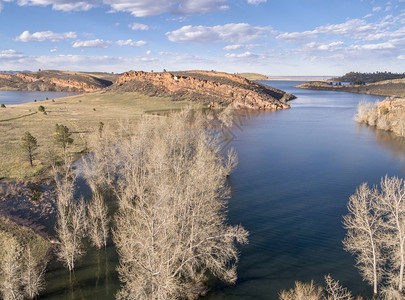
column 388, row 140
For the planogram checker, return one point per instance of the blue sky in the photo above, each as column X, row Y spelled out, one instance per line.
column 272, row 37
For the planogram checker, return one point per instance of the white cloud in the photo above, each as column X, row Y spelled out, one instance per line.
column 246, row 54
column 10, row 54
column 233, row 33
column 240, row 46
column 297, row 36
column 256, row 1
column 353, row 28
column 144, row 8
column 376, row 9
column 313, row 46
column 64, row 5
column 401, row 57
column 53, row 50
column 1, row 6
column 43, row 36
column 380, row 46
column 233, row 47
column 131, row 43
column 138, row 26
column 149, row 52
column 97, row 43
column 138, row 8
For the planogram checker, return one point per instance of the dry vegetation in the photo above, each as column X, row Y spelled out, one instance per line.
column 312, row 291
column 81, row 114
column 169, row 179
column 386, row 115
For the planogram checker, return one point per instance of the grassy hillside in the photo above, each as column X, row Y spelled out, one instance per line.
column 81, row 114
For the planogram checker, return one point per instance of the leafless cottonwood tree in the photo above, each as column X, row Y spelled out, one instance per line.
column 98, row 221
column 32, row 276
column 10, row 267
column 20, row 275
column 71, row 222
column 364, row 236
column 392, row 207
column 99, row 169
column 171, row 226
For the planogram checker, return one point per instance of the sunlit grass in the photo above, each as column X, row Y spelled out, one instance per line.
column 82, row 114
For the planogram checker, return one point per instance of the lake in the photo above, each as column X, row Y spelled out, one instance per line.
column 297, row 169
column 17, row 97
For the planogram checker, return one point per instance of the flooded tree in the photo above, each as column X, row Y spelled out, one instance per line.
column 171, row 229
column 376, row 234
column 392, row 207
column 98, row 221
column 71, row 222
column 32, row 275
column 363, row 238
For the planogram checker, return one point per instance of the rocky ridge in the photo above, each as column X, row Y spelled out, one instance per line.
column 59, row 81
column 208, row 87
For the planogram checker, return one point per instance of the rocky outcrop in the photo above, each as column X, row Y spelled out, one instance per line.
column 56, row 81
column 211, row 88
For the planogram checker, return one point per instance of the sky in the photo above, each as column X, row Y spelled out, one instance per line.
column 271, row 37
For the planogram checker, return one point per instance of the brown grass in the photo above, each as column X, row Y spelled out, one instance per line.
column 81, row 114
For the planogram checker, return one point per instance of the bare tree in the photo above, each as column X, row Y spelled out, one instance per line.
column 32, row 275
column 10, row 267
column 171, row 226
column 71, row 222
column 363, row 238
column 392, row 207
column 312, row 291
column 97, row 214
column 303, row 291
column 335, row 291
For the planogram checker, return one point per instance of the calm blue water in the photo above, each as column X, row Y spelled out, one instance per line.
column 297, row 169
column 17, row 97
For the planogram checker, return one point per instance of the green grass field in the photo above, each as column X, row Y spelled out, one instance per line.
column 81, row 114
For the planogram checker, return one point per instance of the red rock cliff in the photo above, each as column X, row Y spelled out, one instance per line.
column 212, row 87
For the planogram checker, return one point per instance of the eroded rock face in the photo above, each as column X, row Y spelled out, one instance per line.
column 212, row 88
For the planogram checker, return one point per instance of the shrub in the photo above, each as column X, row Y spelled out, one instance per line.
column 41, row 108
column 3, row 105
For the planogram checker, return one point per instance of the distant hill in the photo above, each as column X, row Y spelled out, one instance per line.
column 59, row 81
column 361, row 78
column 388, row 88
column 253, row 76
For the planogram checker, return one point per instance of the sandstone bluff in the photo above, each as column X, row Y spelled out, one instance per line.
column 208, row 87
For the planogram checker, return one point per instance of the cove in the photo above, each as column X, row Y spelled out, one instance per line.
column 297, row 169
column 17, row 97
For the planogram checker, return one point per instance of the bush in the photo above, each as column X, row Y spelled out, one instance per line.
column 3, row 106
column 41, row 108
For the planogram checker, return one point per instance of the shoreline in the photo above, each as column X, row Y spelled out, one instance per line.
column 389, row 88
